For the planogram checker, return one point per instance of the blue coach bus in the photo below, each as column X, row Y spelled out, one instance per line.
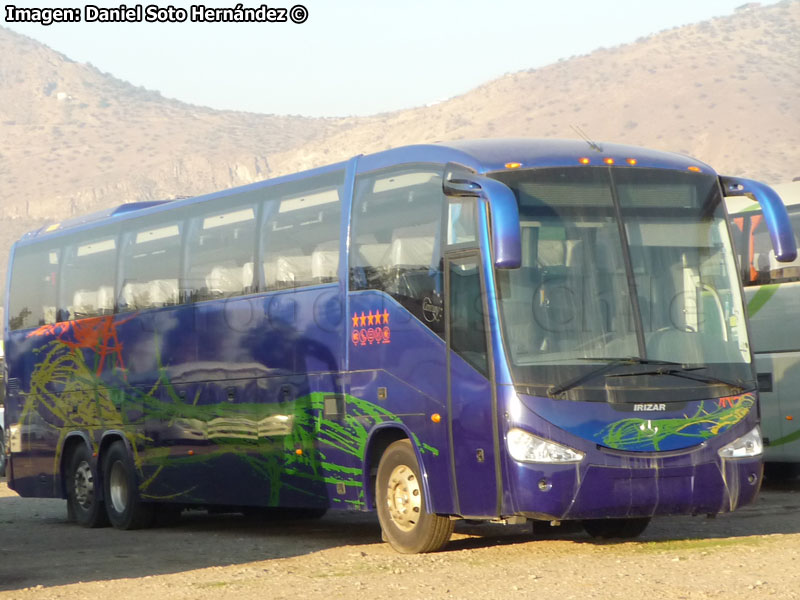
column 498, row 330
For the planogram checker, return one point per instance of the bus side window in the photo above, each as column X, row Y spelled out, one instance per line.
column 300, row 235
column 34, row 286
column 88, row 279
column 462, row 226
column 396, row 238
column 151, row 262
column 221, row 247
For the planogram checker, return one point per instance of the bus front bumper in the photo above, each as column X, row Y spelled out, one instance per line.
column 566, row 492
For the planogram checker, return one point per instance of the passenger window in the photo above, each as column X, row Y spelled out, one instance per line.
column 300, row 236
column 88, row 279
column 396, row 237
column 221, row 247
column 34, row 287
column 151, row 263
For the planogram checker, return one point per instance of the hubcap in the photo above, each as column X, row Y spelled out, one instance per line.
column 118, row 487
column 404, row 498
column 84, row 485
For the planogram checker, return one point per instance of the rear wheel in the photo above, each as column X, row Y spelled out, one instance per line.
column 616, row 528
column 407, row 525
column 83, row 490
column 123, row 504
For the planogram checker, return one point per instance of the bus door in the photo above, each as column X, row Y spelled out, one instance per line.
column 471, row 413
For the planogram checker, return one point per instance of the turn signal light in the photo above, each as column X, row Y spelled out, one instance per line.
column 513, row 165
column 584, row 161
column 694, row 169
column 631, row 161
column 608, row 161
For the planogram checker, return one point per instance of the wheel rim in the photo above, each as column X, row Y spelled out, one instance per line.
column 84, row 485
column 118, row 487
column 404, row 498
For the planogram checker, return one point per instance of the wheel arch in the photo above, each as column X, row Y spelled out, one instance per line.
column 379, row 440
column 108, row 438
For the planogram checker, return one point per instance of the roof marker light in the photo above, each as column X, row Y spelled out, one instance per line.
column 694, row 169
column 631, row 161
column 608, row 160
column 584, row 161
column 513, row 165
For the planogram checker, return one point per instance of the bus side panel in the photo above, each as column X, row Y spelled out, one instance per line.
column 216, row 398
column 399, row 353
column 233, row 421
column 774, row 315
column 779, row 380
column 35, row 403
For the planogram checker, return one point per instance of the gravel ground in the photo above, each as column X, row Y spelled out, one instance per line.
column 752, row 553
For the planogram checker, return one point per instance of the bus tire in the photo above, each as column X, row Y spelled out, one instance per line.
column 616, row 528
column 83, row 490
column 405, row 521
column 123, row 504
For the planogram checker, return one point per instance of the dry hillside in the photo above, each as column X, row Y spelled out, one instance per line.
column 726, row 91
column 76, row 140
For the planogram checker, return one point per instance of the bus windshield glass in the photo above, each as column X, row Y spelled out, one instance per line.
column 623, row 263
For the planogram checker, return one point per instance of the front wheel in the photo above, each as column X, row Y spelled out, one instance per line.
column 123, row 504
column 406, row 523
column 616, row 528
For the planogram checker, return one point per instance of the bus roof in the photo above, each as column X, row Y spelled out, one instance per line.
column 481, row 155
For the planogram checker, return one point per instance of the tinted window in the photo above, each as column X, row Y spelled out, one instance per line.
column 151, row 262
column 88, row 278
column 396, row 238
column 34, row 284
column 467, row 329
column 221, row 248
column 300, row 235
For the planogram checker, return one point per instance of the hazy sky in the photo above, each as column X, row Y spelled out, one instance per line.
column 356, row 57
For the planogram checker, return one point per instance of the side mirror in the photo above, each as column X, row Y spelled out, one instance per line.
column 506, row 244
column 775, row 215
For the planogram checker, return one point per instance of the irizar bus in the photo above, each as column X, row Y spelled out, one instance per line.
column 497, row 330
column 772, row 294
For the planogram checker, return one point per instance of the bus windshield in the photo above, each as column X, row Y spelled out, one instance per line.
column 622, row 263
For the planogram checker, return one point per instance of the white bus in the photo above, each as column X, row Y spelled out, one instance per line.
column 772, row 295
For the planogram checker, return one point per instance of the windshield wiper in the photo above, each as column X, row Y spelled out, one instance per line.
column 668, row 368
column 683, row 372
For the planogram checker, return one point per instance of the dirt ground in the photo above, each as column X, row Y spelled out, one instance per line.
column 752, row 553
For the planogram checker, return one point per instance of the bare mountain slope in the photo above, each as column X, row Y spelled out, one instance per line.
column 75, row 139
column 725, row 91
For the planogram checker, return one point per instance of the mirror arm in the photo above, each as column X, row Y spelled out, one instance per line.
column 506, row 242
column 775, row 215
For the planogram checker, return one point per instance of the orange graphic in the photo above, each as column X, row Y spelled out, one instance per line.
column 98, row 334
column 366, row 335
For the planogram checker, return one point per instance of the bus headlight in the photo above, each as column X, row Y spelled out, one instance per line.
column 748, row 445
column 526, row 447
